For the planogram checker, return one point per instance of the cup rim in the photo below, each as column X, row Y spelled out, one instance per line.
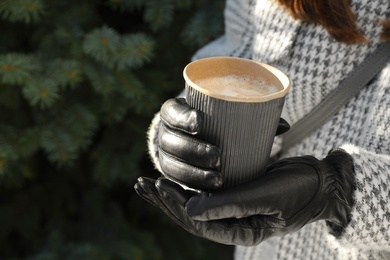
column 282, row 78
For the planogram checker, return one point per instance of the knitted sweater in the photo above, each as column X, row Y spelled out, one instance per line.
column 315, row 63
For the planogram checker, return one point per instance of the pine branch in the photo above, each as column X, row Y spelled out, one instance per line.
column 102, row 44
column 101, row 78
column 62, row 42
column 18, row 68
column 112, row 108
column 26, row 11
column 18, row 143
column 66, row 72
column 66, row 132
column 130, row 86
column 159, row 13
column 135, row 50
column 42, row 92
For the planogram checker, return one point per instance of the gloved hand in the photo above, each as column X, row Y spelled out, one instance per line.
column 292, row 193
column 183, row 156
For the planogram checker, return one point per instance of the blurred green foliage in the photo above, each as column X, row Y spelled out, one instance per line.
column 80, row 82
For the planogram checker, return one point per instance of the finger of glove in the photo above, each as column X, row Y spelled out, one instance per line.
column 174, row 190
column 173, row 198
column 177, row 114
column 283, row 127
column 188, row 148
column 145, row 189
column 189, row 175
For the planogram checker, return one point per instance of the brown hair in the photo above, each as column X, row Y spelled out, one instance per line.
column 335, row 15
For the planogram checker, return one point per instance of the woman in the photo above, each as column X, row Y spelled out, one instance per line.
column 328, row 205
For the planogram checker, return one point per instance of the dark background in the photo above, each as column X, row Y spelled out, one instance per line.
column 80, row 82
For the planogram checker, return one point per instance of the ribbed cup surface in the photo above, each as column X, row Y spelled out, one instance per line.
column 243, row 131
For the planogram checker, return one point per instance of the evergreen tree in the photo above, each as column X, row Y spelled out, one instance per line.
column 79, row 83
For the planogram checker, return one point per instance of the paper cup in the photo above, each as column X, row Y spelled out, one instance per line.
column 241, row 123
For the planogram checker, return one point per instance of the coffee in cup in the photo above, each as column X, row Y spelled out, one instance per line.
column 235, row 86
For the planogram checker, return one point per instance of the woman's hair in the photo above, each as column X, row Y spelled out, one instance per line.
column 335, row 15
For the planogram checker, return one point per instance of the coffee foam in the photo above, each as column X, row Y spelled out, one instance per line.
column 237, row 86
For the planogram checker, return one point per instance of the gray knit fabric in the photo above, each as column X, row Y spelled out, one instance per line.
column 315, row 63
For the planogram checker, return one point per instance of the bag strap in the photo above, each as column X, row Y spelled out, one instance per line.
column 339, row 97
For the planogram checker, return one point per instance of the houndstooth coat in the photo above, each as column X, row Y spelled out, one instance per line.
column 315, row 63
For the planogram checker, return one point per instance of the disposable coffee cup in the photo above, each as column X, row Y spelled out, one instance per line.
column 241, row 101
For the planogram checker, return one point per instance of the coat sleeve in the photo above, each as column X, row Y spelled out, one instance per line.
column 370, row 217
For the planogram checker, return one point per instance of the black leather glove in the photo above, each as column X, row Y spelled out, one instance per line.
column 183, row 156
column 292, row 193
